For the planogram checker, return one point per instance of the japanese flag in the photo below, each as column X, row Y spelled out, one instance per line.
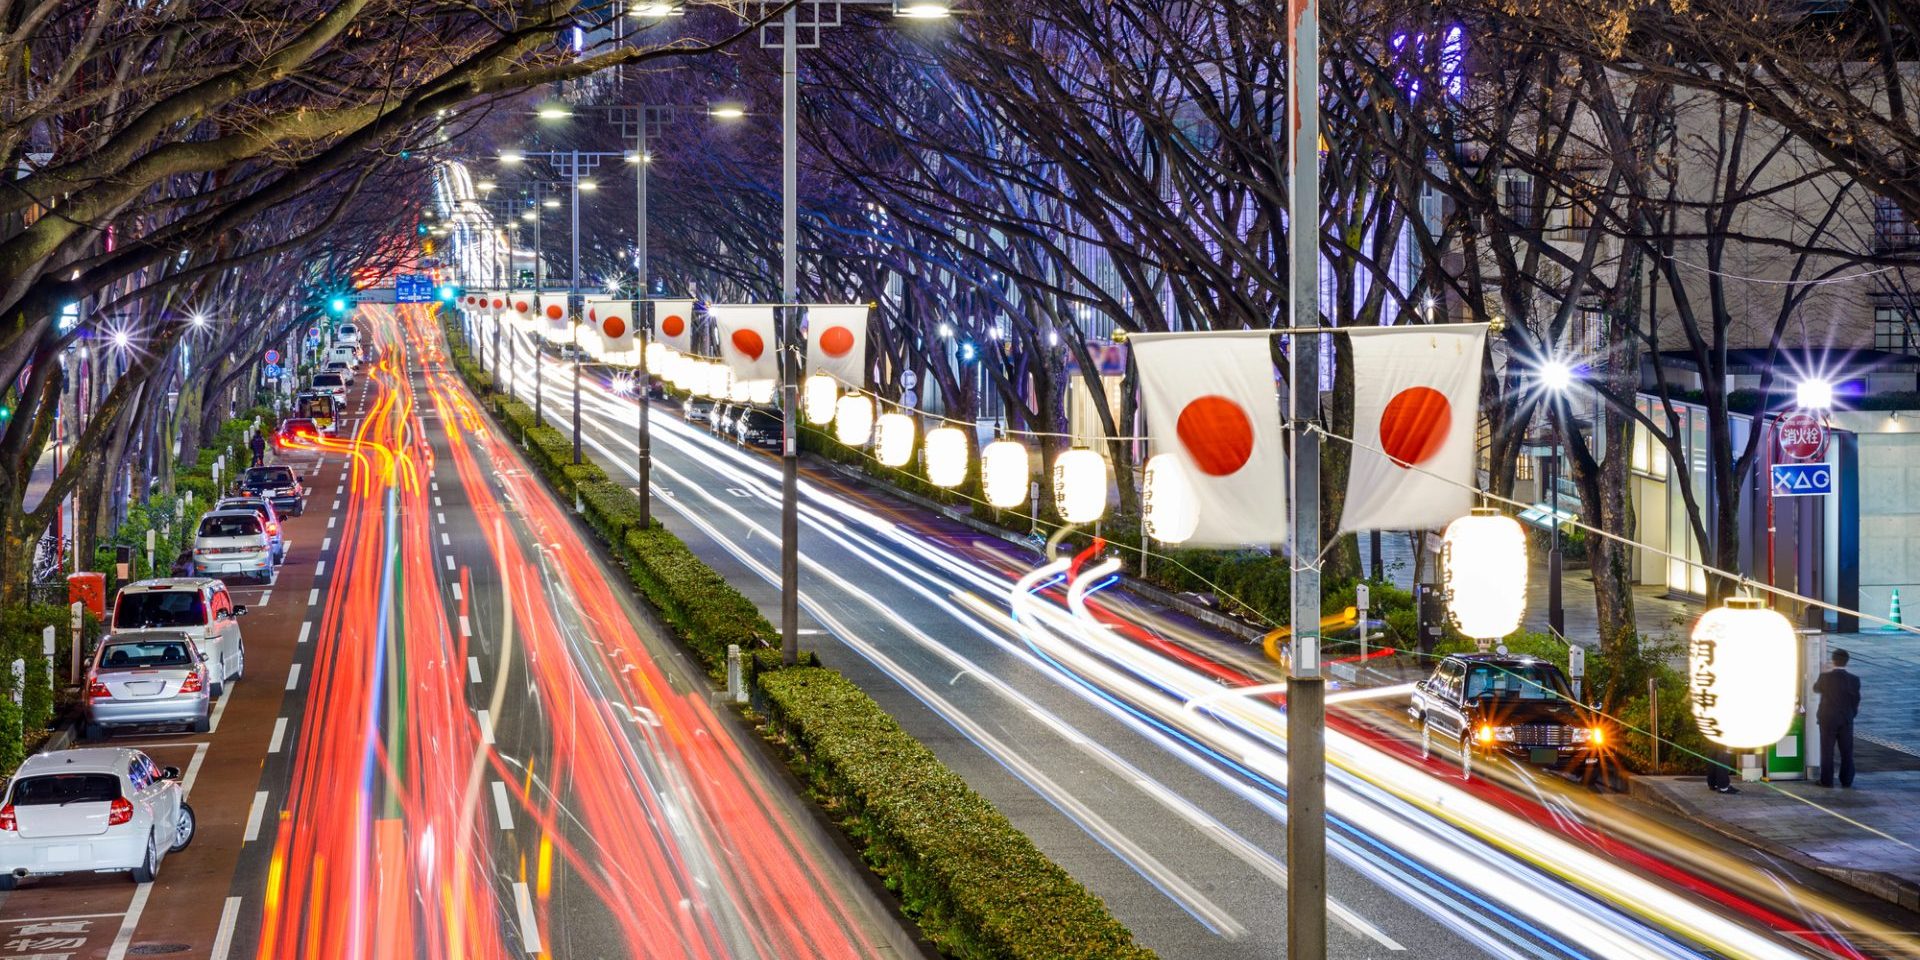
column 673, row 319
column 1416, row 410
column 747, row 342
column 520, row 303
column 553, row 316
column 837, row 343
column 1210, row 404
column 612, row 319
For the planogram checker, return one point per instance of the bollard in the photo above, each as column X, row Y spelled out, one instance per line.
column 153, row 540
column 79, row 622
column 1361, row 600
column 19, row 680
column 1653, row 718
column 46, row 649
column 736, row 684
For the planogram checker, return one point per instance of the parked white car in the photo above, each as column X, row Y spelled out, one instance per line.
column 346, row 354
column 98, row 810
column 198, row 608
column 232, row 543
column 146, row 678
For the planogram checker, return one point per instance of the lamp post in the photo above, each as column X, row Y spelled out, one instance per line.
column 1812, row 396
column 1555, row 377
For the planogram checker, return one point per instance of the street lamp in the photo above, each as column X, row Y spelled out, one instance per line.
column 1555, row 376
column 1814, row 394
column 726, row 111
column 923, row 10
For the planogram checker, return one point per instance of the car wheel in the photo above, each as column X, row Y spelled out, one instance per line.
column 145, row 871
column 183, row 829
column 216, row 688
column 93, row 731
column 202, row 725
column 7, row 882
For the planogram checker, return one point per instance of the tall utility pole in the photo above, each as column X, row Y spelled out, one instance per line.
column 644, row 295
column 1306, row 688
column 789, row 343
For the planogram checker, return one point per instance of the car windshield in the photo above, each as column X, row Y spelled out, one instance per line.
column 298, row 426
column 230, row 526
column 242, row 503
column 160, row 608
column 123, row 654
column 328, row 380
column 316, row 407
column 1520, row 681
column 762, row 420
column 269, row 477
column 58, row 789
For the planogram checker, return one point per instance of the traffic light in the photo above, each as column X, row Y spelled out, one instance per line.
column 449, row 293
column 422, row 229
column 337, row 306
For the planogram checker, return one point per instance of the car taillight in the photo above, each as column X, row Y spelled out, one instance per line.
column 7, row 822
column 98, row 691
column 273, row 528
column 119, row 811
column 192, row 683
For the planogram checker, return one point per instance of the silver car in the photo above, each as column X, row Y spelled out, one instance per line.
column 147, row 677
column 233, row 543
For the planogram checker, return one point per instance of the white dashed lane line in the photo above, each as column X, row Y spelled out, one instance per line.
column 502, row 810
column 293, row 677
column 279, row 735
column 320, row 569
column 449, row 561
column 486, row 727
column 305, row 628
column 254, row 815
column 313, row 596
column 473, row 669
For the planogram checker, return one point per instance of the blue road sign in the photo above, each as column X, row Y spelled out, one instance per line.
column 272, row 371
column 1802, row 479
column 413, row 288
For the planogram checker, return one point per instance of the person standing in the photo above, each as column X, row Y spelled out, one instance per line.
column 1839, row 691
column 259, row 446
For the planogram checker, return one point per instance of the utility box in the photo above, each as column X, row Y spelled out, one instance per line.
column 89, row 588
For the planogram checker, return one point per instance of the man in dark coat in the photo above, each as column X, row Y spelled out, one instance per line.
column 1839, row 692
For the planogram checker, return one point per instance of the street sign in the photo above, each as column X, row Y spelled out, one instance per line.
column 272, row 371
column 1802, row 479
column 1803, row 437
column 413, row 288
column 273, row 357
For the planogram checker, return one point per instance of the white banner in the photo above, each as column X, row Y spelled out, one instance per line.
column 1416, row 410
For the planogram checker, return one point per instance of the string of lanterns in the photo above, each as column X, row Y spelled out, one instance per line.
column 1743, row 661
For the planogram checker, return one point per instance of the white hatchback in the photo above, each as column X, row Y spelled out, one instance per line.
column 199, row 608
column 98, row 810
column 232, row 543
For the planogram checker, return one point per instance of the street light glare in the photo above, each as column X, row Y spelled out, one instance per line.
column 1815, row 394
column 924, row 10
column 655, row 9
column 589, row 185
column 511, row 156
column 487, row 186
column 198, row 319
column 553, row 112
column 550, row 202
column 727, row 111
column 529, row 216
column 1555, row 375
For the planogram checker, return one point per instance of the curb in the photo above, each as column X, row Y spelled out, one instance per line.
column 1896, row 890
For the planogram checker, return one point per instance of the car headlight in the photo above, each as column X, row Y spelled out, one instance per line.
column 1504, row 734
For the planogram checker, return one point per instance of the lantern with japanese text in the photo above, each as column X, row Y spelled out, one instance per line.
column 1743, row 674
column 1080, row 485
column 1484, row 566
column 893, row 439
column 1168, row 507
column 821, row 394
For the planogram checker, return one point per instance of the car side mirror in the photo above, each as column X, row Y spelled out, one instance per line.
column 169, row 773
column 239, row 609
column 203, row 656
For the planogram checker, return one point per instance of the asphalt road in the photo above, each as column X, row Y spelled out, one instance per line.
column 454, row 739
column 1079, row 722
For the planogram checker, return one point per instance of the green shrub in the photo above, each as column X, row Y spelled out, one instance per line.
column 703, row 608
column 976, row 885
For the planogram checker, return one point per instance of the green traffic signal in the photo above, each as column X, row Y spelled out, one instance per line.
column 337, row 306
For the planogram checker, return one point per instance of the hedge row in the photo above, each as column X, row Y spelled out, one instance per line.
column 972, row 881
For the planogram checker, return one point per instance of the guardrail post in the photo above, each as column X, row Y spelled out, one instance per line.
column 736, row 683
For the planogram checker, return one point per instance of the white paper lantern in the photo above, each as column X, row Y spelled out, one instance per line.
column 1169, row 510
column 1080, row 485
column 760, row 392
column 1743, row 674
column 739, row 391
column 719, row 381
column 853, row 420
column 946, row 456
column 657, row 357
column 893, row 439
column 1006, row 473
column 677, row 371
column 822, row 391
column 1484, row 563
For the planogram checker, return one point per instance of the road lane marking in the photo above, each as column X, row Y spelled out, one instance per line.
column 326, row 544
column 279, row 735
column 319, row 569
column 336, row 504
column 501, row 808
column 293, row 677
column 65, row 916
column 330, row 522
column 444, row 541
column 124, row 939
column 449, row 561
column 456, row 593
column 440, row 517
column 219, row 709
column 435, row 484
column 529, row 931
column 337, row 490
column 305, row 628
column 258, row 810
column 264, row 597
column 313, row 596
column 473, row 669
column 486, row 726
column 466, row 629
column 193, row 768
column 223, row 940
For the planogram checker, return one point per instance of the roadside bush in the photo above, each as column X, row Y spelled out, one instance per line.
column 977, row 886
column 702, row 606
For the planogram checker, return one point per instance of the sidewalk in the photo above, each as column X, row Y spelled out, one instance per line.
column 1867, row 837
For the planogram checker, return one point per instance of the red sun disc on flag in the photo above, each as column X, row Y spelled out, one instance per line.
column 613, row 327
column 674, row 325
column 1415, row 425
column 555, row 311
column 520, row 306
column 749, row 343
column 1217, row 434
column 498, row 303
column 836, row 341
